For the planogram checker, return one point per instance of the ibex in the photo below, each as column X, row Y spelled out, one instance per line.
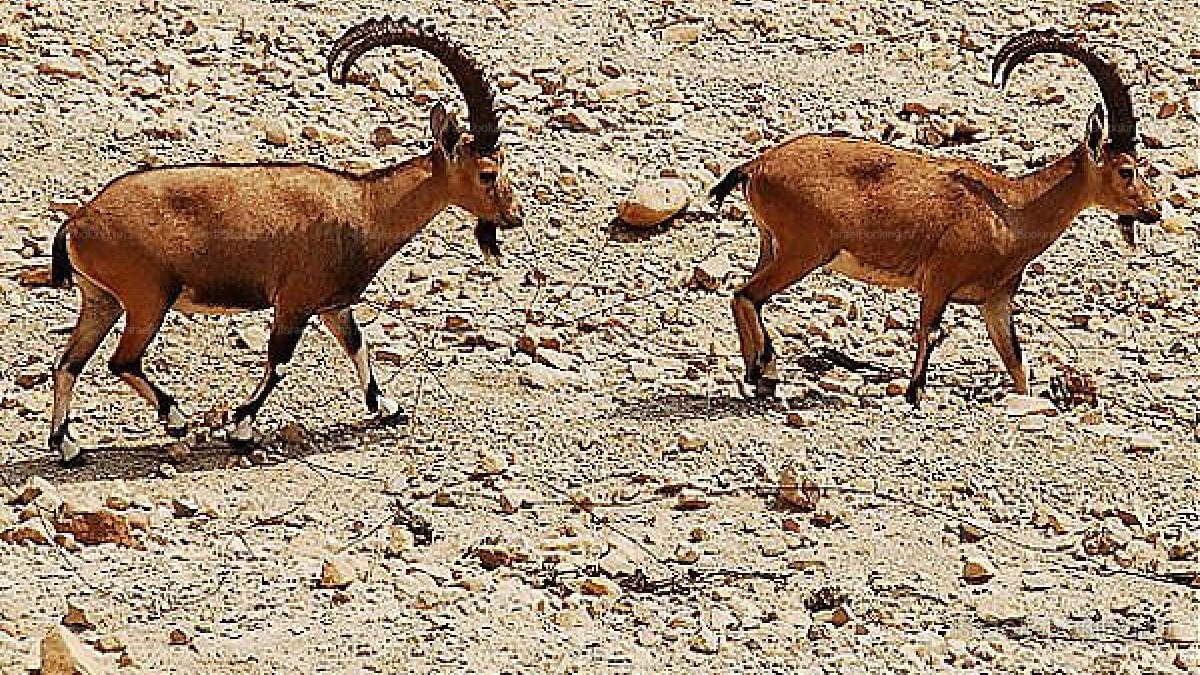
column 952, row 230
column 300, row 239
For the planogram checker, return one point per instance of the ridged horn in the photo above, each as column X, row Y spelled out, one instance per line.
column 1122, row 127
column 470, row 78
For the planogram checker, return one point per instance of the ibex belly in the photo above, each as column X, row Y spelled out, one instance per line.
column 219, row 301
column 847, row 264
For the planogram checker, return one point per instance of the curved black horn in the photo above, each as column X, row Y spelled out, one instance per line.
column 481, row 108
column 1122, row 127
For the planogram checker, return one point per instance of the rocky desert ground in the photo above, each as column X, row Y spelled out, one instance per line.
column 580, row 484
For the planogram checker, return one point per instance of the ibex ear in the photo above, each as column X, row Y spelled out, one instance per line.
column 444, row 128
column 1095, row 132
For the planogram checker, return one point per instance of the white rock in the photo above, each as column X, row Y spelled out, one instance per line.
column 690, row 441
column 65, row 654
column 690, row 499
column 618, row 88
column 710, row 274
column 276, row 132
column 1182, row 631
column 65, row 66
column 491, row 462
column 544, row 377
column 1144, row 442
column 1017, row 405
column 654, row 202
column 336, row 573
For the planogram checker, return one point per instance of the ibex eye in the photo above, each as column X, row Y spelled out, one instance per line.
column 488, row 176
column 1125, row 172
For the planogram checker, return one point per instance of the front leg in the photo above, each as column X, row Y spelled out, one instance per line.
column 285, row 335
column 343, row 326
column 933, row 305
column 997, row 316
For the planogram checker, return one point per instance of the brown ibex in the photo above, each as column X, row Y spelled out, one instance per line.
column 952, row 230
column 300, row 239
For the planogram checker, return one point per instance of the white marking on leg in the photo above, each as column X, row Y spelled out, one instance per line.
column 387, row 406
column 362, row 366
column 175, row 418
column 243, row 431
column 70, row 449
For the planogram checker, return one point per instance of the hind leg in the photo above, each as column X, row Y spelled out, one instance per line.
column 98, row 313
column 775, row 274
column 143, row 319
column 343, row 326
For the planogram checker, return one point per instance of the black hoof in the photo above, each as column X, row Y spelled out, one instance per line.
column 68, row 451
column 766, row 388
column 74, row 462
column 396, row 418
column 753, row 375
column 177, row 432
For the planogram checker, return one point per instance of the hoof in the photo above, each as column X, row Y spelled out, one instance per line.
column 766, row 388
column 387, row 411
column 753, row 374
column 914, row 396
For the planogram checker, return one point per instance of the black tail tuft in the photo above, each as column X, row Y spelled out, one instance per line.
column 734, row 178
column 60, row 260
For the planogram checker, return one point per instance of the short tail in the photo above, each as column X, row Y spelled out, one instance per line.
column 60, row 260
column 737, row 176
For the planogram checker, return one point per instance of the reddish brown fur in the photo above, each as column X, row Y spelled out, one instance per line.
column 952, row 230
column 301, row 239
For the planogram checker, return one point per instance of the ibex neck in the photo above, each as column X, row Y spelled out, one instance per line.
column 1052, row 197
column 400, row 200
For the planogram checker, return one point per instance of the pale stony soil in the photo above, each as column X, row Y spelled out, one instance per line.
column 638, row 401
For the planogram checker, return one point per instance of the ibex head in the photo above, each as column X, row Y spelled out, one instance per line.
column 470, row 161
column 1116, row 183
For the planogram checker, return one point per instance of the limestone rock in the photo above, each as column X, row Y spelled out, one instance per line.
column 710, row 274
column 1017, row 405
column 65, row 654
column 61, row 66
column 691, row 499
column 652, row 203
column 977, row 569
column 336, row 573
column 682, row 33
